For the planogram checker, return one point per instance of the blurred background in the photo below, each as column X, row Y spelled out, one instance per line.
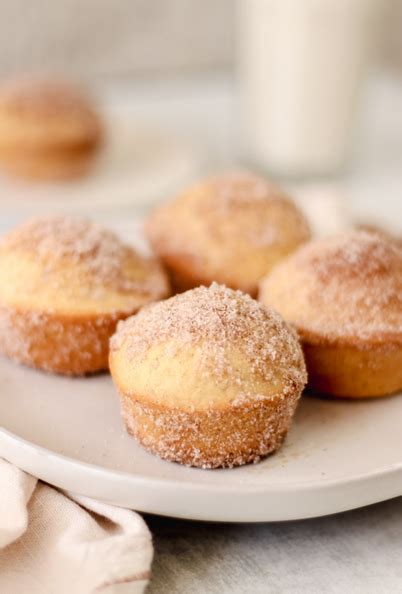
column 101, row 40
column 308, row 92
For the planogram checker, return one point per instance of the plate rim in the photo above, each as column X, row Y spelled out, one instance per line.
column 294, row 501
column 121, row 474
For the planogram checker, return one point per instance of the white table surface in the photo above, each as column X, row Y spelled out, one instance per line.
column 358, row 552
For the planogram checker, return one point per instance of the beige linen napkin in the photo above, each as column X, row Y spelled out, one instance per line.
column 56, row 543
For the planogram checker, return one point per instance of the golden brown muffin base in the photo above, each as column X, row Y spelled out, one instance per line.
column 352, row 370
column 48, row 166
column 68, row 345
column 214, row 438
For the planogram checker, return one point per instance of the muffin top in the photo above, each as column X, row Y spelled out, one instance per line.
column 72, row 266
column 231, row 228
column 45, row 113
column 207, row 347
column 347, row 287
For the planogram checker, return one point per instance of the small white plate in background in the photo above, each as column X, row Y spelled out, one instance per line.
column 139, row 164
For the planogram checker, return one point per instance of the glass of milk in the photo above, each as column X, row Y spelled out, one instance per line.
column 301, row 68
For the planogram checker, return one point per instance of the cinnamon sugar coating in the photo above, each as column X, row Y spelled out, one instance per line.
column 231, row 228
column 207, row 378
column 99, row 252
column 347, row 287
column 344, row 296
column 64, row 284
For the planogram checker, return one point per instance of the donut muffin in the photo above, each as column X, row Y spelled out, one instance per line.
column 344, row 297
column 208, row 378
column 48, row 130
column 64, row 284
column 231, row 229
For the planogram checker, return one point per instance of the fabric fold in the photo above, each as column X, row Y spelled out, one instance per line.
column 58, row 543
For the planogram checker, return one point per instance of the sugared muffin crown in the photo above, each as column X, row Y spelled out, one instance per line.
column 346, row 287
column 225, row 337
column 252, row 205
column 66, row 262
column 230, row 228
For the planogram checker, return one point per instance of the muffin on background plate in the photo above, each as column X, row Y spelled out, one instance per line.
column 49, row 130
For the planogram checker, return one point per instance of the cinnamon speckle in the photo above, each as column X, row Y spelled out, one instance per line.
column 212, row 319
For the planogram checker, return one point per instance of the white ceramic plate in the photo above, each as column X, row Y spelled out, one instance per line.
column 338, row 455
